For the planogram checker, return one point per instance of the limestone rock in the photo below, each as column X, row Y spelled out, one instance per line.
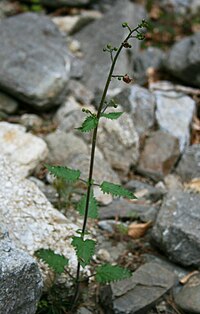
column 119, row 142
column 34, row 63
column 7, row 104
column 174, row 114
column 183, row 60
column 189, row 164
column 25, row 149
column 160, row 153
column 95, row 36
column 176, row 230
column 138, row 293
column 20, row 279
column 29, row 217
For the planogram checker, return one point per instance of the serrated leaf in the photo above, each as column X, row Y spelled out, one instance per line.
column 84, row 250
column 112, row 115
column 67, row 174
column 55, row 261
column 116, row 190
column 93, row 208
column 89, row 124
column 108, row 273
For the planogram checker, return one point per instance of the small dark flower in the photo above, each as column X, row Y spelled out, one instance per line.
column 127, row 79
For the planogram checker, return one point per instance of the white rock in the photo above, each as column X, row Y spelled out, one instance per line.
column 25, row 149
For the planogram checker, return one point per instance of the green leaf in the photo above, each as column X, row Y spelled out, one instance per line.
column 84, row 250
column 55, row 261
column 112, row 115
column 93, row 208
column 107, row 273
column 116, row 190
column 64, row 173
column 89, row 124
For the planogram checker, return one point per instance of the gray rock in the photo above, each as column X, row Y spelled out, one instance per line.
column 96, row 36
column 7, row 104
column 80, row 92
column 31, row 121
column 145, row 191
column 138, row 293
column 176, row 230
column 183, row 60
column 70, row 3
column 35, row 66
column 149, row 58
column 122, row 208
column 174, row 115
column 20, row 279
column 161, row 151
column 23, row 148
column 140, row 103
column 119, row 142
column 83, row 310
column 189, row 164
column 64, row 146
column 181, row 6
column 188, row 298
column 30, row 219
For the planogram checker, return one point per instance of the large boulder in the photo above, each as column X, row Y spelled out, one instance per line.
column 183, row 60
column 20, row 279
column 34, row 63
column 176, row 231
column 97, row 35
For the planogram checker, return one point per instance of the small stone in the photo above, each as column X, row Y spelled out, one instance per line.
column 31, row 121
column 7, row 104
column 25, row 149
column 161, row 151
column 103, row 255
column 189, row 165
column 188, row 298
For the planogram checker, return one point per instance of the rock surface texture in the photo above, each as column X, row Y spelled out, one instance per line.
column 97, row 62
column 20, row 279
column 138, row 293
column 189, row 165
column 183, row 60
column 176, row 230
column 24, row 148
column 34, row 64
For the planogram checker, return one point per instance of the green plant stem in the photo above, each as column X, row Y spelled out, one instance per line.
column 94, row 138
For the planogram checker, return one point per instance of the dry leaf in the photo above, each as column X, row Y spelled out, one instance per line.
column 136, row 231
column 185, row 279
column 193, row 185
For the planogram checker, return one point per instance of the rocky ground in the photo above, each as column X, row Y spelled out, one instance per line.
column 52, row 66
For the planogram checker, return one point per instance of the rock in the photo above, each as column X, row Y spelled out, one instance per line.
column 83, row 310
column 151, row 57
column 60, row 3
column 138, row 293
column 145, row 191
column 140, row 103
column 20, row 279
column 25, row 149
column 72, row 24
column 176, row 230
column 7, row 104
column 64, row 146
column 35, row 65
column 119, row 142
column 189, row 165
column 181, row 6
column 80, row 92
column 31, row 121
column 29, row 217
column 183, row 60
column 107, row 29
column 174, row 114
column 188, row 298
column 102, row 170
column 161, row 151
column 122, row 208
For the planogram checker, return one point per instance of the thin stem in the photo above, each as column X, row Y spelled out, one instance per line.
column 94, row 138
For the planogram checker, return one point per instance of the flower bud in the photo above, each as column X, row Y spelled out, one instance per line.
column 127, row 79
